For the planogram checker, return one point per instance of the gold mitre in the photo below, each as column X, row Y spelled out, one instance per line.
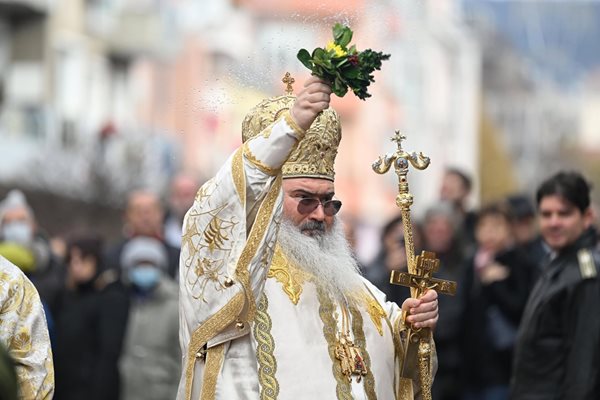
column 315, row 154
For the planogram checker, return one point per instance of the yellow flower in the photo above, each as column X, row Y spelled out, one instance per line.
column 337, row 49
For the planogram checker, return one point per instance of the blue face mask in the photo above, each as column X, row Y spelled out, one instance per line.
column 144, row 277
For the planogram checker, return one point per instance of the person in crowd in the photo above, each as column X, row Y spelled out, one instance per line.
column 440, row 235
column 90, row 313
column 21, row 238
column 525, row 231
column 24, row 333
column 557, row 354
column 455, row 189
column 144, row 216
column 150, row 362
column 493, row 293
column 183, row 189
column 391, row 256
column 272, row 303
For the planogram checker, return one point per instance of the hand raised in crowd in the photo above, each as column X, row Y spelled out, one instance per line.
column 313, row 99
column 494, row 272
column 422, row 312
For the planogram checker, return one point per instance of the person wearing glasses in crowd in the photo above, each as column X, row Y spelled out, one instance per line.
column 272, row 304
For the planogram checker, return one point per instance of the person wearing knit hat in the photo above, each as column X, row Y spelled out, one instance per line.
column 150, row 347
column 17, row 222
column 144, row 260
column 21, row 237
column 272, row 303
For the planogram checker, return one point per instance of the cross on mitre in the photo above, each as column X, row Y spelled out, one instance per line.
column 288, row 80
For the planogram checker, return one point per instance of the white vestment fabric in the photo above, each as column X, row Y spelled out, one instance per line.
column 24, row 333
column 252, row 327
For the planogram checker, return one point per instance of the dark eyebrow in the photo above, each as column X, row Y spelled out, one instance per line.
column 306, row 193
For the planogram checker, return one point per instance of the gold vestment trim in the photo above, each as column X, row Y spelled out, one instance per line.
column 257, row 234
column 292, row 124
column 207, row 330
column 258, row 163
column 290, row 277
column 326, row 312
column 267, row 364
column 374, row 309
column 239, row 177
column 214, row 362
column 361, row 342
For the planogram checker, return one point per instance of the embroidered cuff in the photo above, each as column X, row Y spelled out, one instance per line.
column 258, row 163
column 292, row 124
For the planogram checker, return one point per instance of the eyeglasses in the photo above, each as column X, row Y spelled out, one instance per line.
column 306, row 205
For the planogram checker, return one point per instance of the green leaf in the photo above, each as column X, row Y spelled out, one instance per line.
column 338, row 31
column 343, row 61
column 342, row 35
column 339, row 88
column 305, row 59
column 320, row 54
column 351, row 73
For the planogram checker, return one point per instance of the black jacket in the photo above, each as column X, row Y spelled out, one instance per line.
column 490, row 320
column 558, row 348
column 90, row 327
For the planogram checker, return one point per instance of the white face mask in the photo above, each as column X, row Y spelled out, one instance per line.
column 17, row 232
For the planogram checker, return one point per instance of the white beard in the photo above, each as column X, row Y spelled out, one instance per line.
column 327, row 256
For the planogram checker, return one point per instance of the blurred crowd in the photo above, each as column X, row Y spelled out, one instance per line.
column 112, row 308
column 495, row 254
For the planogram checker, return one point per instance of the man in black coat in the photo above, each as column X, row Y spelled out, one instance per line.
column 558, row 346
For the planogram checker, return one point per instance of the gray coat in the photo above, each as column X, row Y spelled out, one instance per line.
column 150, row 364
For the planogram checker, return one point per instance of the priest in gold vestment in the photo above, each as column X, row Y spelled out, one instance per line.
column 272, row 305
column 24, row 333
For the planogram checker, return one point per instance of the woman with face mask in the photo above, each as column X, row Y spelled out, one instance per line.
column 19, row 234
column 150, row 364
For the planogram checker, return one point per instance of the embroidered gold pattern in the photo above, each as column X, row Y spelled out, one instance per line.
column 361, row 342
column 257, row 233
column 374, row 309
column 191, row 230
column 297, row 130
column 201, row 269
column 239, row 177
column 290, row 277
column 214, row 234
column 203, row 193
column 326, row 312
column 214, row 362
column 25, row 342
column 315, row 154
column 258, row 163
column 267, row 364
column 205, row 331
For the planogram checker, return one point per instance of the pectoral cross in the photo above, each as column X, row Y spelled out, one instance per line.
column 420, row 268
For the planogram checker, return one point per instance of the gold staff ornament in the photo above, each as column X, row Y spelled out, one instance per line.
column 420, row 268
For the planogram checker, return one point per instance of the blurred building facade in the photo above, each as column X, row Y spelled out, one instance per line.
column 122, row 93
column 100, row 96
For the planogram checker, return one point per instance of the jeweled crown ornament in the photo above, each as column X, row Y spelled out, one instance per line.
column 314, row 157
